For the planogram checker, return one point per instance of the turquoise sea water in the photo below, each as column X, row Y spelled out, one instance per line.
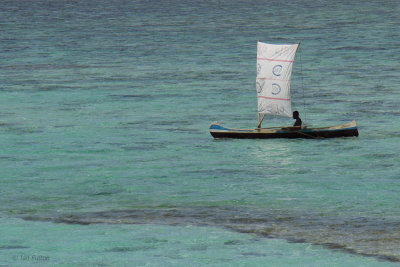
column 106, row 159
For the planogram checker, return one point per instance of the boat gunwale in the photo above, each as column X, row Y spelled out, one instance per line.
column 287, row 129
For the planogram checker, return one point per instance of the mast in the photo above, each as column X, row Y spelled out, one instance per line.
column 260, row 120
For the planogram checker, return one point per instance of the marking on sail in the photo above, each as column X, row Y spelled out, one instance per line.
column 258, row 68
column 274, row 98
column 284, row 50
column 276, row 70
column 269, row 108
column 276, row 89
column 261, row 107
column 280, row 60
column 260, row 87
column 273, row 79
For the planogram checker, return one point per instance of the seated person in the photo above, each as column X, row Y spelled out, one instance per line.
column 297, row 118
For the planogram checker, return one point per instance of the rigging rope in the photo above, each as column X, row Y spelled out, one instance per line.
column 302, row 85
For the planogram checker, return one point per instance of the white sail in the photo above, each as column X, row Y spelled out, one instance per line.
column 274, row 70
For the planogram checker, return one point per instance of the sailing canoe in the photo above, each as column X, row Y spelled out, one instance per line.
column 345, row 130
column 274, row 71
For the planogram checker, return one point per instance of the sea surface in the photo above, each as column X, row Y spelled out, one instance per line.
column 106, row 158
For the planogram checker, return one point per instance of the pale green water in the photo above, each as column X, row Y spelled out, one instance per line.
column 156, row 245
column 106, row 106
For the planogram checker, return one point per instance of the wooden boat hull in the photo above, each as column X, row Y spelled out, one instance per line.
column 345, row 130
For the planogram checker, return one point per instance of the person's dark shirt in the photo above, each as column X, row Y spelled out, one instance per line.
column 297, row 122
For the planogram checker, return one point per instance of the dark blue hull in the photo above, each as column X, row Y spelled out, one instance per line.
column 346, row 130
